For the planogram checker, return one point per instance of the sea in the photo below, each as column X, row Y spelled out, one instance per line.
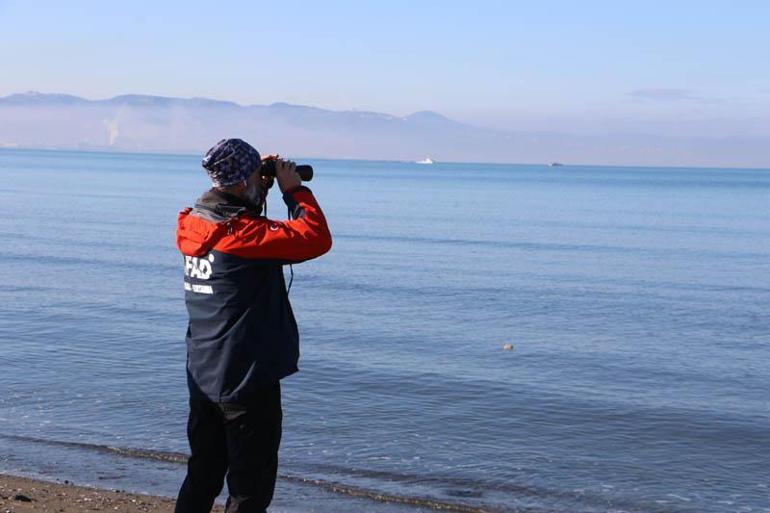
column 481, row 337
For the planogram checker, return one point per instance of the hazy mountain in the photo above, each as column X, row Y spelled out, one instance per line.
column 153, row 123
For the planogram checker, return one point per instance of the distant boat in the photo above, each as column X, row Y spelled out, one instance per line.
column 427, row 160
column 555, row 164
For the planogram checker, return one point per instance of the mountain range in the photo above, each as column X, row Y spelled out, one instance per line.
column 144, row 123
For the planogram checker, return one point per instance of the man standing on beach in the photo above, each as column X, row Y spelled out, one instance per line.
column 242, row 337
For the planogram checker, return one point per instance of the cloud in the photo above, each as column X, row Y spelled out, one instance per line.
column 664, row 94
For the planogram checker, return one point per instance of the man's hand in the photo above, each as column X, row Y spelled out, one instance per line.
column 286, row 175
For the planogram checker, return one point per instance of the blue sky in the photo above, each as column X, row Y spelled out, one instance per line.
column 685, row 67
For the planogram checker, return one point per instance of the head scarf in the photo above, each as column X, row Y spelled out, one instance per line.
column 230, row 161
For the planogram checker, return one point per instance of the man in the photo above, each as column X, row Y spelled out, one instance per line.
column 242, row 337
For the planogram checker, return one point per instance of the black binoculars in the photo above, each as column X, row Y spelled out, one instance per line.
column 304, row 171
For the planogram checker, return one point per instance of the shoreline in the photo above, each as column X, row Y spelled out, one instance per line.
column 28, row 495
column 115, row 469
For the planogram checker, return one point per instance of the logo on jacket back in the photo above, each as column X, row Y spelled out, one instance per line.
column 200, row 268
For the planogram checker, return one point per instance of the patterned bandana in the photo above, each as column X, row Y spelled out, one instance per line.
column 230, row 161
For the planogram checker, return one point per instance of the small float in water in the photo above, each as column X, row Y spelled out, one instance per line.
column 426, row 160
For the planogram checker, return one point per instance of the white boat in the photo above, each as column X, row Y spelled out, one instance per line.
column 426, row 160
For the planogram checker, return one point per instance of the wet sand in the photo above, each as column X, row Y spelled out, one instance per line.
column 27, row 495
column 23, row 495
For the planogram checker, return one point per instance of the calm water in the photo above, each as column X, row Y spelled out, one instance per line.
column 636, row 301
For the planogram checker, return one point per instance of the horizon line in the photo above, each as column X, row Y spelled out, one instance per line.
column 452, row 162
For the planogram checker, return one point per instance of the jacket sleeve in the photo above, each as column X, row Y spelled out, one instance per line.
column 305, row 237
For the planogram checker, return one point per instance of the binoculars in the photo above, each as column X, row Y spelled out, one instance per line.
column 304, row 171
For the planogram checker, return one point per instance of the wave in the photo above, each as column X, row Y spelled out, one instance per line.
column 453, row 486
column 328, row 485
column 554, row 246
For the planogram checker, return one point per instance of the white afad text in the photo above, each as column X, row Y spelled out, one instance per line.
column 200, row 268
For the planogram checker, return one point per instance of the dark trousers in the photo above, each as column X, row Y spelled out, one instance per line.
column 237, row 440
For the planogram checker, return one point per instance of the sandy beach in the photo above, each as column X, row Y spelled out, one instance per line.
column 27, row 495
column 23, row 495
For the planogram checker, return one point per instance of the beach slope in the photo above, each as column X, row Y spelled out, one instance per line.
column 23, row 495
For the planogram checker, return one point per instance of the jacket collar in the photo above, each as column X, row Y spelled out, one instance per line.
column 216, row 205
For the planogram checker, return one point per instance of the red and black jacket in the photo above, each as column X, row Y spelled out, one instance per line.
column 242, row 333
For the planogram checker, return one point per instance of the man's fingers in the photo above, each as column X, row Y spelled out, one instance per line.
column 286, row 166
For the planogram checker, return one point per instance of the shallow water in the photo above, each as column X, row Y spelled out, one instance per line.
column 635, row 299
